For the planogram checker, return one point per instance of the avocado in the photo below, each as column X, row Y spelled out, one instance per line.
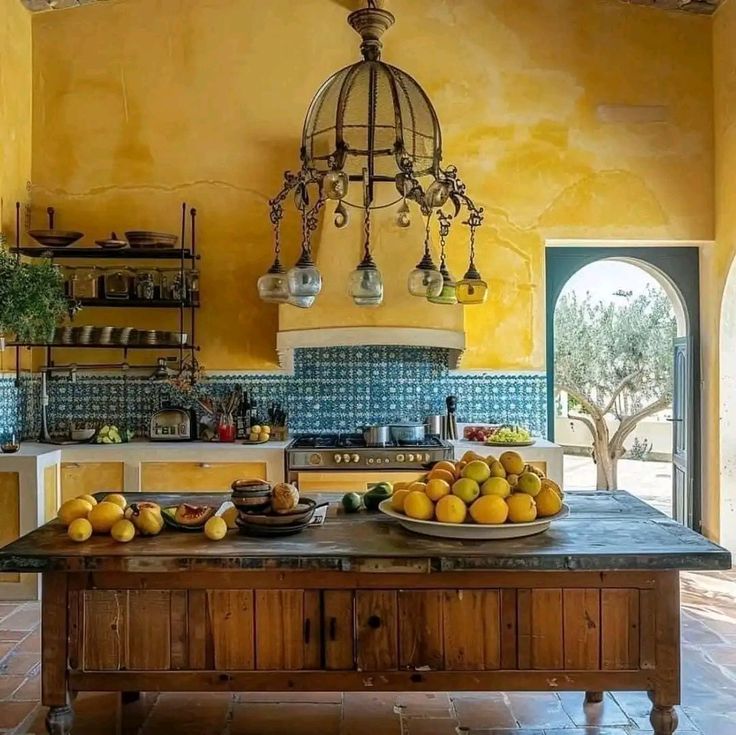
column 376, row 495
column 352, row 502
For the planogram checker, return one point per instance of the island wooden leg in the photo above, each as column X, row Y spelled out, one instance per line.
column 664, row 719
column 593, row 697
column 54, row 637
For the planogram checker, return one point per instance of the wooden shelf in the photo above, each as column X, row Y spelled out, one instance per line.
column 109, row 346
column 40, row 251
column 136, row 303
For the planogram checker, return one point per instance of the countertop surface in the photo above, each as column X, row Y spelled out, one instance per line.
column 605, row 531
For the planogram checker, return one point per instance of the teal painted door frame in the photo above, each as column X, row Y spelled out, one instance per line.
column 681, row 265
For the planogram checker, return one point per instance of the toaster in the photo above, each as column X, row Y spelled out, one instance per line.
column 171, row 424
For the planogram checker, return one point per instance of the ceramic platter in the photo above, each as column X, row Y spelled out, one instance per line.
column 473, row 531
column 491, row 443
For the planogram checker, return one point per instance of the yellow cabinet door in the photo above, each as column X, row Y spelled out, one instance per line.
column 159, row 477
column 9, row 515
column 50, row 492
column 82, row 478
column 343, row 482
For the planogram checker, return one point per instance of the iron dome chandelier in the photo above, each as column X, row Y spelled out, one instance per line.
column 372, row 134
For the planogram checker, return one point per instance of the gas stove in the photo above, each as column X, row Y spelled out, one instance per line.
column 349, row 452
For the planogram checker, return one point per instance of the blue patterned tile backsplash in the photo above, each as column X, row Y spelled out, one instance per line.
column 333, row 388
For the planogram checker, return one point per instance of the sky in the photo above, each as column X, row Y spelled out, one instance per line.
column 604, row 277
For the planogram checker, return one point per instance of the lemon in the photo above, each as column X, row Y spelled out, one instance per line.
column 104, row 516
column 398, row 498
column 401, row 486
column 89, row 498
column 229, row 517
column 418, row 505
column 466, row 489
column 123, row 531
column 437, row 488
column 446, row 465
column 440, row 474
column 496, row 467
column 489, row 509
column 73, row 509
column 116, row 498
column 522, row 508
column 450, row 509
column 512, row 462
column 215, row 529
column 529, row 483
column 477, row 470
column 496, row 486
column 418, row 486
column 80, row 529
column 546, row 482
column 548, row 502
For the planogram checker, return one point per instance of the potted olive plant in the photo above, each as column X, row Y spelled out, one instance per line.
column 32, row 299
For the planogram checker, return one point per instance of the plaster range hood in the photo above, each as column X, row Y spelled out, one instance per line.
column 289, row 341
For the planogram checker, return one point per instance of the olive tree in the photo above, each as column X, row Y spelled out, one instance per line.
column 615, row 360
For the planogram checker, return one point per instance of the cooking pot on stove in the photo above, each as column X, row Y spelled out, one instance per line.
column 407, row 432
column 377, row 436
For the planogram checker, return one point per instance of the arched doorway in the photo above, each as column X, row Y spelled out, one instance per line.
column 676, row 271
column 727, row 391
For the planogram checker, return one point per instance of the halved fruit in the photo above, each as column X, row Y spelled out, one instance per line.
column 193, row 515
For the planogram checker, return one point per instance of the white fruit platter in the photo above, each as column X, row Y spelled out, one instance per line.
column 473, row 531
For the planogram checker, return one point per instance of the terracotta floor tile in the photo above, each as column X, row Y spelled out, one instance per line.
column 423, row 704
column 538, row 709
column 478, row 711
column 30, row 689
column 429, row 726
column 6, row 609
column 12, row 635
column 366, row 713
column 636, row 706
column 13, row 713
column 19, row 663
column 6, row 647
column 26, row 618
column 188, row 714
column 8, row 684
column 307, row 697
column 280, row 719
column 30, row 644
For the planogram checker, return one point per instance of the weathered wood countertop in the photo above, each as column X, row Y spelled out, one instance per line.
column 606, row 531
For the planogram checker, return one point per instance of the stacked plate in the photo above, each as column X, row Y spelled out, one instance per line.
column 145, row 239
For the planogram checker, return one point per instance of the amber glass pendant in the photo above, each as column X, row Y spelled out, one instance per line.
column 472, row 289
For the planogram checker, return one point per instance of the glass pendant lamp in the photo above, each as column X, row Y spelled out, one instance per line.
column 273, row 286
column 472, row 289
column 425, row 280
column 448, row 292
column 304, row 281
column 366, row 282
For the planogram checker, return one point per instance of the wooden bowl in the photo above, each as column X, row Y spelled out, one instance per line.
column 301, row 514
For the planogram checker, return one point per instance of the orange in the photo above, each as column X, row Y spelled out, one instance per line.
column 418, row 505
column 489, row 509
column 549, row 503
column 522, row 508
column 445, row 465
column 417, row 486
column 451, row 509
column 398, row 498
column 441, row 474
column 437, row 488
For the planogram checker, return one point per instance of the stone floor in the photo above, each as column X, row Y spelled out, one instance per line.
column 708, row 708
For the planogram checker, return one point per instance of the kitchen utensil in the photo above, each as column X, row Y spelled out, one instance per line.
column 112, row 243
column 251, row 529
column 407, row 432
column 433, row 424
column 251, row 495
column 301, row 514
column 9, row 445
column 173, row 284
column 451, row 428
column 55, row 238
column 475, row 531
column 147, row 239
column 171, row 424
column 192, row 284
column 83, row 435
column 145, row 285
column 377, row 436
column 176, row 338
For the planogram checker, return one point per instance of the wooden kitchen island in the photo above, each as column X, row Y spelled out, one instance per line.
column 360, row 604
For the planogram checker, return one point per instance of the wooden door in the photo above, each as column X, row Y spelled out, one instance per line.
column 9, row 515
column 376, row 628
column 338, row 626
column 196, row 476
column 681, row 434
column 82, row 478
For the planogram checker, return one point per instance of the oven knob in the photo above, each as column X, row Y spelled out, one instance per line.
column 346, row 458
column 409, row 457
column 355, row 458
column 370, row 460
column 337, row 458
column 399, row 457
column 315, row 459
column 426, row 457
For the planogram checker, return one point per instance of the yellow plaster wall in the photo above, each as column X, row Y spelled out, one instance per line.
column 15, row 121
column 139, row 104
column 720, row 507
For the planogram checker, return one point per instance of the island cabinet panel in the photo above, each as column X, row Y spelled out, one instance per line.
column 9, row 515
column 472, row 630
column 582, row 629
column 87, row 478
column 338, row 629
column 421, row 642
column 620, row 635
column 196, row 476
column 228, row 630
column 288, row 630
column 376, row 622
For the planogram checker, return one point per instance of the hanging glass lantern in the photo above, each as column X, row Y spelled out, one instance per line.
column 448, row 293
column 366, row 283
column 335, row 185
column 425, row 280
column 304, row 280
column 472, row 289
column 273, row 285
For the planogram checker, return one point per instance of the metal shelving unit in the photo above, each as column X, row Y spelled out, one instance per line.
column 185, row 254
